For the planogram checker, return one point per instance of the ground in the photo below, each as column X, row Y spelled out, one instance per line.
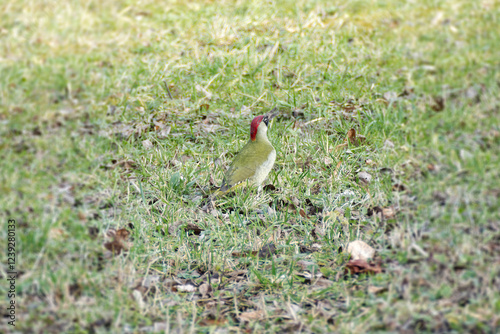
column 118, row 118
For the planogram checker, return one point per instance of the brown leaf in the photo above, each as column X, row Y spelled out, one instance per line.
column 303, row 213
column 125, row 164
column 376, row 289
column 205, row 106
column 361, row 267
column 194, row 228
column 244, row 254
column 382, row 213
column 205, row 289
column 399, row 187
column 119, row 242
column 438, row 104
column 93, row 231
column 56, row 233
column 212, row 322
column 252, row 315
column 269, row 188
column 351, row 136
column 267, row 250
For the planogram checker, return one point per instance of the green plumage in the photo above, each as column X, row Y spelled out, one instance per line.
column 244, row 166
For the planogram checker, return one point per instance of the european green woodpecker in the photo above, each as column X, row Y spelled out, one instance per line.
column 255, row 160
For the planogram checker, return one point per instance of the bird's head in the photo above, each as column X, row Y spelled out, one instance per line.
column 259, row 125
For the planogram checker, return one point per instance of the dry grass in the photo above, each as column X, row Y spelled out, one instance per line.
column 83, row 88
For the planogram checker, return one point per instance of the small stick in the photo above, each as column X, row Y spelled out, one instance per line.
column 168, row 90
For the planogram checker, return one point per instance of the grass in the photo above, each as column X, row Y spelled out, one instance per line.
column 122, row 115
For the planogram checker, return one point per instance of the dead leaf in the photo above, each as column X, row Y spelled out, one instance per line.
column 244, row 254
column 193, row 228
column 351, row 136
column 56, row 233
column 205, row 106
column 364, row 177
column 252, row 315
column 328, row 161
column 147, row 144
column 382, row 213
column 119, row 242
column 125, row 164
column 139, row 299
column 399, row 187
column 389, row 212
column 212, row 322
column 376, row 289
column 185, row 288
column 360, row 250
column 361, row 267
column 267, row 250
column 438, row 104
column 390, row 96
column 93, row 231
column 205, row 289
column 303, row 213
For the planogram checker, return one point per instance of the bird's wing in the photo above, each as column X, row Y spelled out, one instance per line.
column 236, row 175
column 239, row 174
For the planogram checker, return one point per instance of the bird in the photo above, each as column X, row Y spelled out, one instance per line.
column 255, row 160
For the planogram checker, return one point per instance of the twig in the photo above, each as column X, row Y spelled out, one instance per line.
column 168, row 90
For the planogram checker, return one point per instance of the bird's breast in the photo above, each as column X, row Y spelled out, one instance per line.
column 263, row 170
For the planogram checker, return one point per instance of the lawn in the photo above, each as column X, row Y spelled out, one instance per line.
column 119, row 118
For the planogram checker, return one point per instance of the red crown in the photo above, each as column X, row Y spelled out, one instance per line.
column 254, row 125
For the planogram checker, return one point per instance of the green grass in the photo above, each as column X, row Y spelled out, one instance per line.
column 83, row 85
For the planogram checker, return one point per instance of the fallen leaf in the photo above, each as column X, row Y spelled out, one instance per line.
column 267, row 250
column 364, row 177
column 56, row 233
column 138, row 299
column 399, row 187
column 205, row 289
column 119, row 242
column 389, row 212
column 252, row 315
column 185, row 288
column 212, row 322
column 361, row 267
column 351, row 136
column 376, row 289
column 147, row 144
column 382, row 213
column 390, row 96
column 360, row 250
column 194, row 228
column 438, row 104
